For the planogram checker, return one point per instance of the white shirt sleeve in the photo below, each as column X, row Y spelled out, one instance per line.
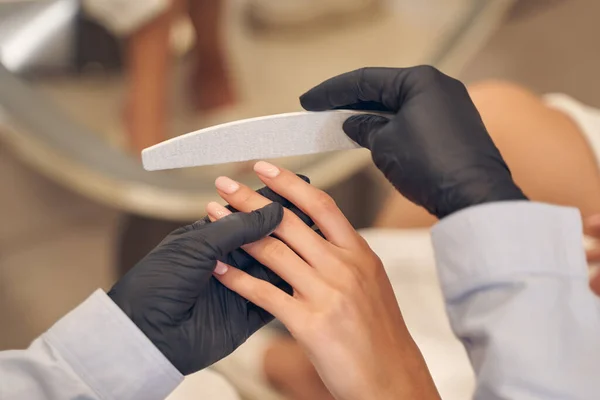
column 94, row 352
column 515, row 283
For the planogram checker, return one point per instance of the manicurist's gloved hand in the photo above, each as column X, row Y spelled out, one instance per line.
column 434, row 149
column 172, row 297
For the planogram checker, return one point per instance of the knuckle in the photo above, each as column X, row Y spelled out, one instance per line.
column 370, row 258
column 324, row 202
column 245, row 196
column 259, row 294
column 273, row 249
column 239, row 221
column 286, row 225
column 361, row 72
column 427, row 72
column 340, row 305
column 429, row 75
column 288, row 216
column 376, row 270
column 371, row 270
column 347, row 277
column 292, row 221
column 359, row 272
column 354, row 280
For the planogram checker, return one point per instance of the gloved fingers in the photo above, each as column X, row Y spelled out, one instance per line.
column 365, row 85
column 362, row 128
column 239, row 259
column 235, row 230
column 365, row 106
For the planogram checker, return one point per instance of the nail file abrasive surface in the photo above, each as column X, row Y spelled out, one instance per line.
column 280, row 135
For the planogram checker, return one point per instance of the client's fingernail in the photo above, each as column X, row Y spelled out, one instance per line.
column 221, row 268
column 216, row 210
column 265, row 169
column 226, row 185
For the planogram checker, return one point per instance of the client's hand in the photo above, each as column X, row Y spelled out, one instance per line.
column 173, row 298
column 592, row 228
column 435, row 149
column 343, row 311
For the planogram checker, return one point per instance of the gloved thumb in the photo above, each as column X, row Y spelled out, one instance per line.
column 363, row 128
column 237, row 229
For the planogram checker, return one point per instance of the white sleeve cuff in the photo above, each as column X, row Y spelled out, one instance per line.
column 109, row 352
column 495, row 242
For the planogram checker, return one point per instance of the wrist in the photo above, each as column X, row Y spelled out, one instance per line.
column 405, row 375
column 504, row 191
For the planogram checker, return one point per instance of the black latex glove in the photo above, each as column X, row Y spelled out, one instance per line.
column 435, row 149
column 173, row 298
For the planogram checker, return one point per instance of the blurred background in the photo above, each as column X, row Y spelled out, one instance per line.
column 85, row 85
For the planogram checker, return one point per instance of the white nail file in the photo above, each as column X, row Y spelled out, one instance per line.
column 272, row 136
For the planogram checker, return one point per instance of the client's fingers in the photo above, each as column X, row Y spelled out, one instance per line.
column 302, row 239
column 278, row 257
column 269, row 194
column 266, row 296
column 317, row 204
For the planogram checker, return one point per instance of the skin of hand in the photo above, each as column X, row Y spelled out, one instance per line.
column 172, row 296
column 433, row 147
column 289, row 370
column 592, row 228
column 343, row 311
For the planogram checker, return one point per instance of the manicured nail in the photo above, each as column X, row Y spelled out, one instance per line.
column 221, row 268
column 265, row 169
column 216, row 210
column 226, row 185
